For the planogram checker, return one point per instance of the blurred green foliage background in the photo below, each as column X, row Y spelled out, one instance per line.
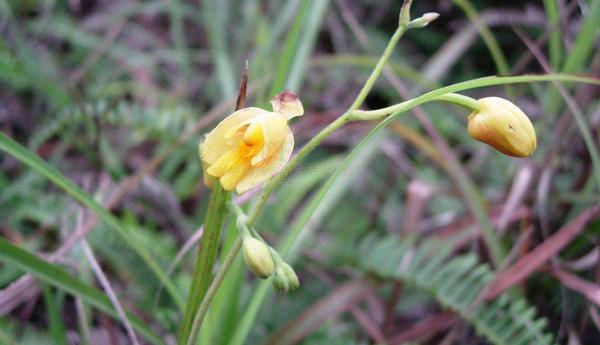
column 115, row 96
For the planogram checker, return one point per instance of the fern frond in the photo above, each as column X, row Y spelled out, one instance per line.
column 158, row 123
column 455, row 282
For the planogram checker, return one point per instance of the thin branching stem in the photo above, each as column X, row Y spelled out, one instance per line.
column 332, row 127
column 274, row 182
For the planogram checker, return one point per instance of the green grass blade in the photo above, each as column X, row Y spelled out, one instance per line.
column 579, row 53
column 584, row 129
column 267, row 37
column 215, row 15
column 57, row 327
column 178, row 35
column 586, row 39
column 487, row 36
column 36, row 163
column 551, row 7
column 58, row 277
column 287, row 52
column 310, row 29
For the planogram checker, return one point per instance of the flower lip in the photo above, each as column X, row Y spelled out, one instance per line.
column 251, row 145
column 288, row 104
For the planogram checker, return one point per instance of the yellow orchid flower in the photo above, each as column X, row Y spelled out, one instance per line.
column 252, row 144
column 502, row 125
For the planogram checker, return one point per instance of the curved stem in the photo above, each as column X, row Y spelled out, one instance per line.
column 304, row 151
column 339, row 122
column 369, row 115
column 464, row 101
column 362, row 95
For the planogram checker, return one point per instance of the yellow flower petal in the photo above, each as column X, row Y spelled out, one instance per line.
column 274, row 126
column 215, row 143
column 254, row 134
column 233, row 175
column 270, row 167
column 218, row 168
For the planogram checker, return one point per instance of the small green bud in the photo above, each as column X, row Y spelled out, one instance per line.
column 404, row 18
column 280, row 280
column 292, row 278
column 257, row 257
column 423, row 20
column 284, row 278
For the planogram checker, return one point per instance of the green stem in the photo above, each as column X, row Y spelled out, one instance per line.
column 464, row 101
column 377, row 114
column 370, row 115
column 339, row 122
column 243, row 225
column 303, row 152
column 362, row 95
column 553, row 14
column 205, row 259
column 251, row 310
column 212, row 290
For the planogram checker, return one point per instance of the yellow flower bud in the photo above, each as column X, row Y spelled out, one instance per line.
column 251, row 145
column 257, row 257
column 502, row 125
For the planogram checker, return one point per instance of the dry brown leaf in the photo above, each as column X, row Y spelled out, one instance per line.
column 535, row 259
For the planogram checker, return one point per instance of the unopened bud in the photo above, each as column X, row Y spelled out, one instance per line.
column 404, row 17
column 424, row 20
column 284, row 278
column 257, row 257
column 280, row 280
column 293, row 281
column 502, row 125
